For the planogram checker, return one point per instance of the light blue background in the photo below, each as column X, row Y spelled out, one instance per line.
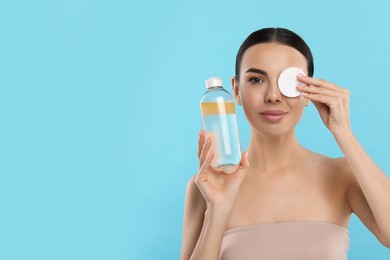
column 99, row 110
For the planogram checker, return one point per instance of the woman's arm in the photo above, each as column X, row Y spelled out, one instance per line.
column 203, row 228
column 369, row 192
column 369, row 189
column 209, row 200
column 194, row 210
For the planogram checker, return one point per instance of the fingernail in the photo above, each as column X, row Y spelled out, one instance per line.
column 301, row 75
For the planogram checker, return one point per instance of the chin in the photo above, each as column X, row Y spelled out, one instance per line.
column 273, row 130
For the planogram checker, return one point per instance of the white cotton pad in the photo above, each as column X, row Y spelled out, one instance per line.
column 288, row 81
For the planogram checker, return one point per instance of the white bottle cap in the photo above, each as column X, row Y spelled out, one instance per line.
column 288, row 81
column 213, row 82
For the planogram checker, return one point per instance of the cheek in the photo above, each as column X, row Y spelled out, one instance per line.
column 250, row 96
column 250, row 103
column 297, row 104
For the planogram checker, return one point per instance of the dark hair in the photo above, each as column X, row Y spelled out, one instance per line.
column 279, row 35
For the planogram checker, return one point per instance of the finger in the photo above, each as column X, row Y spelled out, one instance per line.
column 325, row 99
column 244, row 160
column 315, row 97
column 244, row 164
column 201, row 141
column 205, row 150
column 321, row 107
column 202, row 175
column 311, row 89
column 317, row 82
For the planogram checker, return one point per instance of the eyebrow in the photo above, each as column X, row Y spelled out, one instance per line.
column 258, row 71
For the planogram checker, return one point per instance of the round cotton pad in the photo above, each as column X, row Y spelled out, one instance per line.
column 288, row 81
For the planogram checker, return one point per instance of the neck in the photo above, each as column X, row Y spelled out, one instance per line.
column 269, row 153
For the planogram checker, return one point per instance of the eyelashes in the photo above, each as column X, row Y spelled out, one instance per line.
column 255, row 80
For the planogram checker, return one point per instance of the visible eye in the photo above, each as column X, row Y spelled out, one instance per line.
column 256, row 80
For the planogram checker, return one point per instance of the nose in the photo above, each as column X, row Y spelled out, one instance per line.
column 273, row 94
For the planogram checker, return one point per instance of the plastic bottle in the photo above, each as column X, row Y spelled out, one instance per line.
column 220, row 124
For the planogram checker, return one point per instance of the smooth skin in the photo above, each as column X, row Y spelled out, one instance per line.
column 278, row 180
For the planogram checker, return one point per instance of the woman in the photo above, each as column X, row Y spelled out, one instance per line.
column 284, row 201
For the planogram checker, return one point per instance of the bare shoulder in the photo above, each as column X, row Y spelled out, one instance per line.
column 335, row 169
column 338, row 165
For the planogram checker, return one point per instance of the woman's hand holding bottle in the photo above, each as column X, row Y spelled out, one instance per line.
column 218, row 188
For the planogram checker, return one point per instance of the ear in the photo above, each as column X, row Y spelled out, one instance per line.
column 236, row 91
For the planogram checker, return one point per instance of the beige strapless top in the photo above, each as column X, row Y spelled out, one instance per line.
column 292, row 240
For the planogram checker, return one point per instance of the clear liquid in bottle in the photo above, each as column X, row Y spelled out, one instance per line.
column 220, row 124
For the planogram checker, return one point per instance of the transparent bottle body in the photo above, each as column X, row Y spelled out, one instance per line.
column 220, row 124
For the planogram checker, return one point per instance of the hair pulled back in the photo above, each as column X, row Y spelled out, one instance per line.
column 278, row 35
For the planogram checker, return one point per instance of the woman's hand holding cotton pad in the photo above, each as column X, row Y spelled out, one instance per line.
column 287, row 81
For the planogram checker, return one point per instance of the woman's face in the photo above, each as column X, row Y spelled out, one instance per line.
column 266, row 108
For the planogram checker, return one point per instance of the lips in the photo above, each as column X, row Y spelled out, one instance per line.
column 273, row 116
